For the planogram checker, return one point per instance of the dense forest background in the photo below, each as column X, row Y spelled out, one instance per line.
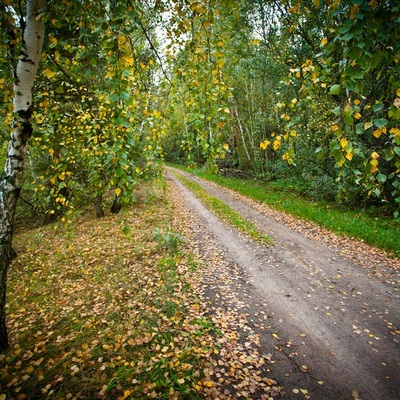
column 304, row 92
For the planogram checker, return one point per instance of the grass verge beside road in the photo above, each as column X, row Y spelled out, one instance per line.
column 225, row 212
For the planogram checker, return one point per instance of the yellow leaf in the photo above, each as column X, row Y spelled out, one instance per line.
column 343, row 142
column 277, row 143
column 285, row 117
column 110, row 74
column 398, row 92
column 128, row 61
column 265, row 144
column 199, row 8
column 303, row 368
column 349, row 156
column 395, row 131
column 375, row 155
column 377, row 133
column 49, row 73
column 221, row 63
column 51, row 152
column 208, row 384
column 118, row 191
column 357, row 115
column 368, row 125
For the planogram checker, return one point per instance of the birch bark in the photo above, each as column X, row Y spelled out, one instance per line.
column 11, row 178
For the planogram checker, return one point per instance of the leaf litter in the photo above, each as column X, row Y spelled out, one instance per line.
column 96, row 311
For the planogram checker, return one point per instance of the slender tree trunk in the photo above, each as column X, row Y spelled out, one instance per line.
column 98, row 206
column 235, row 110
column 11, row 178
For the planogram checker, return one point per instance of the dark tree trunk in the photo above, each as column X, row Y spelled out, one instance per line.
column 7, row 253
column 98, row 206
column 116, row 205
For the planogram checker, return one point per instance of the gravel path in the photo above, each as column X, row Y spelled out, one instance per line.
column 325, row 310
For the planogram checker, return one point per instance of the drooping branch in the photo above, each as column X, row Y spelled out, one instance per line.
column 153, row 48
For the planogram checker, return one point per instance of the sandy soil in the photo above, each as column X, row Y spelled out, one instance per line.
column 326, row 309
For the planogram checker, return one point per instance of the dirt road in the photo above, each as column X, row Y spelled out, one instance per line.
column 329, row 324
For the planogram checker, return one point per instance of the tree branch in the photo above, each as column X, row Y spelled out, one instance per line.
column 153, row 48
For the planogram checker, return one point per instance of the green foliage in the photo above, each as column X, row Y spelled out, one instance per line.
column 91, row 135
column 170, row 241
column 320, row 94
column 316, row 97
column 200, row 96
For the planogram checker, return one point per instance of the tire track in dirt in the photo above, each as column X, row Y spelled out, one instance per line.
column 330, row 328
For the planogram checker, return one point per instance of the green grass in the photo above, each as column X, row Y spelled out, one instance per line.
column 378, row 231
column 224, row 212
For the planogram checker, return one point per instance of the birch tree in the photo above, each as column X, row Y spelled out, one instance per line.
column 11, row 178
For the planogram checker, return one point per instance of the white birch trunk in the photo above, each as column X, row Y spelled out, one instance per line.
column 235, row 109
column 11, row 178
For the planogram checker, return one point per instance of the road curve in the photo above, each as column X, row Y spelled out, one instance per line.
column 332, row 327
